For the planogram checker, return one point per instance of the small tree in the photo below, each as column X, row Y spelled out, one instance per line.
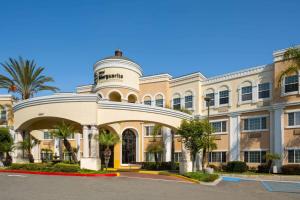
column 192, row 137
column 6, row 145
column 63, row 131
column 270, row 157
column 107, row 139
column 156, row 146
column 27, row 144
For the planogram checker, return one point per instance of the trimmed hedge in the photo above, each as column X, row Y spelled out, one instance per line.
column 159, row 165
column 291, row 169
column 236, row 166
column 202, row 176
column 264, row 168
column 49, row 167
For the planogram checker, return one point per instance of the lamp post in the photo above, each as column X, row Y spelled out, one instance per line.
column 208, row 99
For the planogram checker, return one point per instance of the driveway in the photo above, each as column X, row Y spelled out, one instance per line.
column 37, row 187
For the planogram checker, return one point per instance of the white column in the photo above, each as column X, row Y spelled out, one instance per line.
column 278, row 135
column 234, row 137
column 185, row 164
column 94, row 142
column 57, row 145
column 167, row 138
column 254, row 93
column 78, row 143
column 217, row 99
column 18, row 154
column 85, row 141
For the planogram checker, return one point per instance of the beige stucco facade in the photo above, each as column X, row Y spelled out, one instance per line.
column 250, row 112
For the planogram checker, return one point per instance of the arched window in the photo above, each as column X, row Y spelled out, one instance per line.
column 223, row 95
column 147, row 100
column 115, row 96
column 211, row 94
column 188, row 100
column 132, row 98
column 176, row 102
column 246, row 91
column 159, row 100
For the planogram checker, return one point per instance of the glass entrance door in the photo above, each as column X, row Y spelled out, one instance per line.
column 128, row 147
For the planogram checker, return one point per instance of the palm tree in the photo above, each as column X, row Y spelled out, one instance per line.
column 294, row 54
column 63, row 131
column 6, row 145
column 155, row 147
column 107, row 139
column 26, row 145
column 24, row 78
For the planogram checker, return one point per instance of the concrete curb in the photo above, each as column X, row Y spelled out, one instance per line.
column 59, row 173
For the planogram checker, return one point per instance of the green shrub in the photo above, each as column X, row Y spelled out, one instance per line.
column 236, row 166
column 47, row 167
column 264, row 168
column 200, row 176
column 291, row 169
column 159, row 166
column 62, row 167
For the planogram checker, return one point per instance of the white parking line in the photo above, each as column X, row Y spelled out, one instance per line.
column 16, row 175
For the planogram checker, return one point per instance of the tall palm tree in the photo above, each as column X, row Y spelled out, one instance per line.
column 27, row 144
column 24, row 78
column 291, row 54
column 63, row 131
column 107, row 139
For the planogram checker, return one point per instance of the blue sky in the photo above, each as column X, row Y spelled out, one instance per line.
column 178, row 37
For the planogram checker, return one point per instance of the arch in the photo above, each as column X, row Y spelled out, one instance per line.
column 132, row 98
column 160, row 100
column 115, row 96
column 147, row 99
column 130, row 147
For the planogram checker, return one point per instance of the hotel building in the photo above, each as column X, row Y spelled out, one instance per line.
column 251, row 110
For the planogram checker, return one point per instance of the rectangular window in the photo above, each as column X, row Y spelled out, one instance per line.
column 150, row 157
column 48, row 136
column 148, row 130
column 159, row 102
column 294, row 119
column 217, row 157
column 291, row 84
column 294, row 156
column 176, row 104
column 188, row 101
column 177, row 156
column 224, row 97
column 263, row 90
column 258, row 123
column 147, row 102
column 212, row 99
column 3, row 115
column 255, row 156
column 247, row 93
column 219, row 127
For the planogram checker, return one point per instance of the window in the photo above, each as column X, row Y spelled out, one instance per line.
column 48, row 136
column 294, row 119
column 217, row 157
column 263, row 90
column 72, row 136
column 176, row 103
column 255, row 156
column 159, row 101
column 247, row 93
column 291, row 84
column 188, row 101
column 257, row 123
column 147, row 101
column 148, row 130
column 150, row 157
column 294, row 156
column 3, row 115
column 212, row 99
column 219, row 127
column 224, row 97
column 177, row 156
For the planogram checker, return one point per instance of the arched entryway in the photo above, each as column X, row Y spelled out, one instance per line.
column 129, row 147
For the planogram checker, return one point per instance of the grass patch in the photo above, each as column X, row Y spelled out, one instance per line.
column 200, row 176
column 88, row 171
